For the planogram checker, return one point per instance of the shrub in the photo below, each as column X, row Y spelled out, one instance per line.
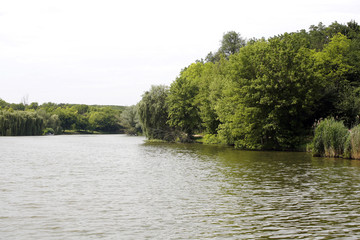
column 48, row 131
column 330, row 138
column 212, row 139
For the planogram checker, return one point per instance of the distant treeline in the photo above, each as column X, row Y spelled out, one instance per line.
column 49, row 118
column 261, row 93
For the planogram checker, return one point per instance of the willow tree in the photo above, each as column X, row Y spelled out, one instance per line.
column 20, row 123
column 153, row 114
column 130, row 120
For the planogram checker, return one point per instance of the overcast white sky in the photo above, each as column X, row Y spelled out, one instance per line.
column 111, row 51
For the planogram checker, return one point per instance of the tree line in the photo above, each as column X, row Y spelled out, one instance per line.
column 261, row 93
column 50, row 118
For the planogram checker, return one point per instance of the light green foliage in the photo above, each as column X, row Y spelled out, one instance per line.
column 96, row 120
column 332, row 60
column 48, row 131
column 339, row 97
column 212, row 139
column 153, row 114
column 330, row 137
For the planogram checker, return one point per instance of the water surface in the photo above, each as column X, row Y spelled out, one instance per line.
column 118, row 187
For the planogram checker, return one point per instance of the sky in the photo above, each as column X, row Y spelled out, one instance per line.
column 109, row 52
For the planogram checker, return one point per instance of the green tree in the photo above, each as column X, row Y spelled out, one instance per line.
column 51, row 121
column 334, row 68
column 33, row 106
column 4, row 104
column 67, row 117
column 130, row 120
column 81, row 108
column 18, row 107
column 230, row 44
column 82, row 122
column 182, row 106
column 153, row 114
column 20, row 123
column 104, row 120
column 210, row 87
column 269, row 100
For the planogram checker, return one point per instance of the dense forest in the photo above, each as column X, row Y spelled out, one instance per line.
column 261, row 93
column 49, row 118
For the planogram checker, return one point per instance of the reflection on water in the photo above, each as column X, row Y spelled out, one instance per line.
column 118, row 187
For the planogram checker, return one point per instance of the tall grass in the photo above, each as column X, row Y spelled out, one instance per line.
column 352, row 145
column 330, row 138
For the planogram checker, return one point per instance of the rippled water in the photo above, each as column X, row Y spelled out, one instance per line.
column 118, row 187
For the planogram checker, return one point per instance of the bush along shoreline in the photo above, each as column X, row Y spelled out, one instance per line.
column 333, row 139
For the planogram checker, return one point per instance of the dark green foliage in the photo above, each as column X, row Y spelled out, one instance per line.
column 3, row 104
column 230, row 44
column 17, row 107
column 33, row 106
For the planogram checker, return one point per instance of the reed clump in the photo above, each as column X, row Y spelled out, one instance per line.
column 330, row 138
column 352, row 144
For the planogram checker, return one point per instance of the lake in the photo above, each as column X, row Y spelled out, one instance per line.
column 119, row 187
